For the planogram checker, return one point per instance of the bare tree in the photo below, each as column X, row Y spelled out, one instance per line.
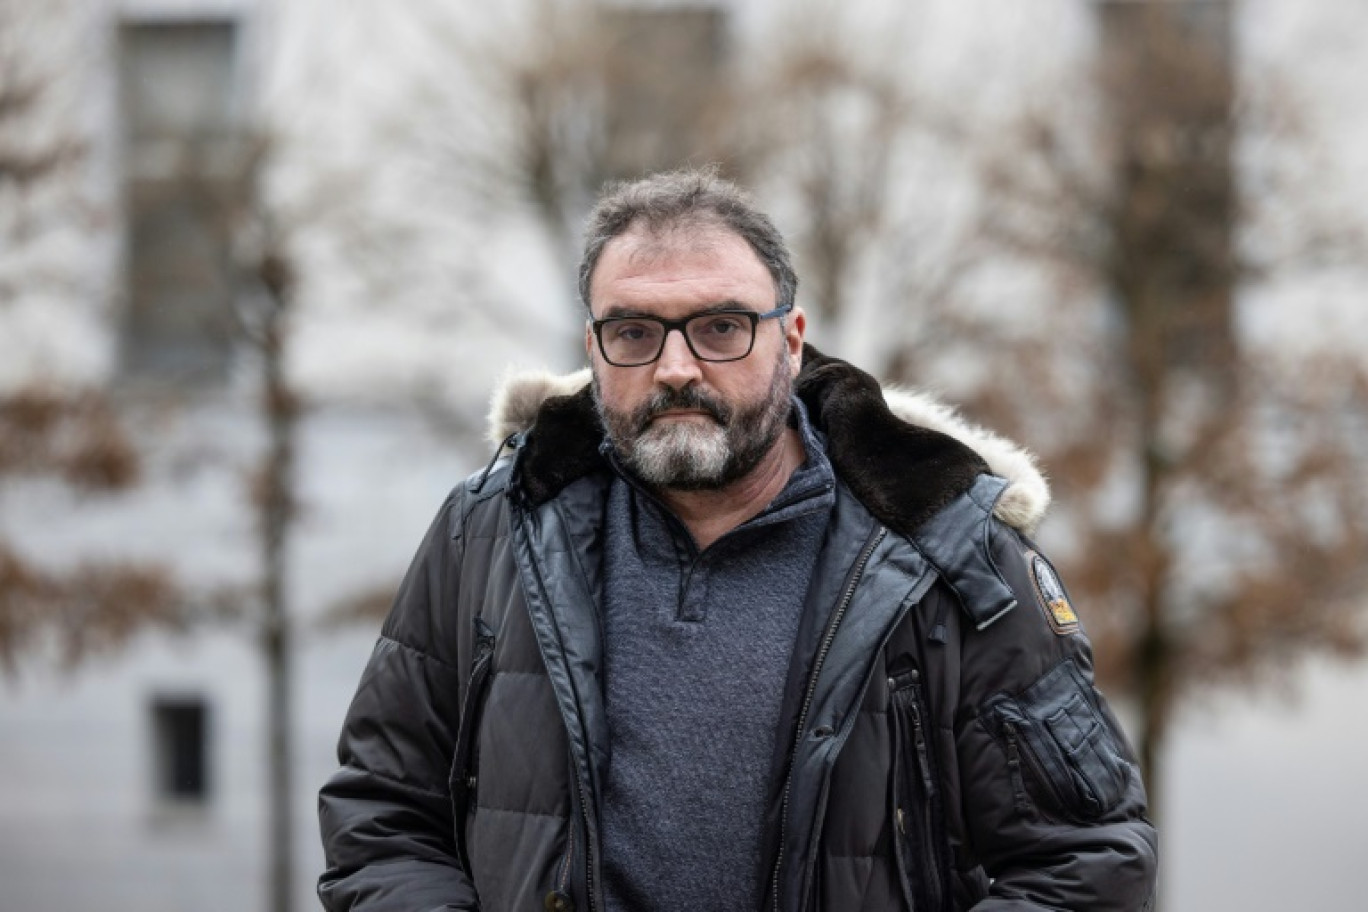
column 83, row 609
column 42, row 155
column 828, row 122
column 270, row 269
column 559, row 96
column 253, row 237
column 256, row 235
column 47, row 428
column 1214, row 522
column 212, row 281
column 552, row 98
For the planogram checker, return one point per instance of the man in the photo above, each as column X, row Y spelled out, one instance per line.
column 726, row 634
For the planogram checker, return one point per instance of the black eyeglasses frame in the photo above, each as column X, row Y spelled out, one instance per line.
column 680, row 324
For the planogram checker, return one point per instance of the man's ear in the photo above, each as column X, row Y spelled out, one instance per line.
column 795, row 325
column 589, row 341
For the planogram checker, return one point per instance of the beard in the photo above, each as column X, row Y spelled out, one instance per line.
column 697, row 455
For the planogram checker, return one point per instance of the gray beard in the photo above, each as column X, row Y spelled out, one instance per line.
column 692, row 455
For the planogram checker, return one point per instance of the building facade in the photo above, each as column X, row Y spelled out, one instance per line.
column 212, row 131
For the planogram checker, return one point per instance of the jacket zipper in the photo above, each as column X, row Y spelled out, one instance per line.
column 928, row 846
column 588, row 843
column 563, row 879
column 1014, row 751
column 827, row 638
column 568, row 862
column 1020, row 800
column 579, row 783
column 466, row 776
column 919, row 737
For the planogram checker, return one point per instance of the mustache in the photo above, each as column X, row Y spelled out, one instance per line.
column 689, row 397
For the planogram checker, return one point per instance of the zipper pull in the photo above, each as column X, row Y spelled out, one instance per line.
column 484, row 637
column 940, row 630
column 923, row 754
column 1019, row 799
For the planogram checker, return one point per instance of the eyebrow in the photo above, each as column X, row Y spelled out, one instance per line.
column 616, row 312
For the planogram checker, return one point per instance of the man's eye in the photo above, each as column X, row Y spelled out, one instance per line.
column 632, row 332
column 722, row 326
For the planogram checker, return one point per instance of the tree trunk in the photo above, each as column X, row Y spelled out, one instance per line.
column 1153, row 655
column 1151, row 674
column 276, row 505
column 280, row 791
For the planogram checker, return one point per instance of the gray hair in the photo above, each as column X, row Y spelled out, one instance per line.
column 688, row 198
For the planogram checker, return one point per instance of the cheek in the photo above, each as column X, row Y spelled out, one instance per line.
column 755, row 382
column 621, row 391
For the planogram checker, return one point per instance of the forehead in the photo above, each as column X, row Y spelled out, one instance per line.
column 679, row 270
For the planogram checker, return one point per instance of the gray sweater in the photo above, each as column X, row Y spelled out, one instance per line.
column 697, row 650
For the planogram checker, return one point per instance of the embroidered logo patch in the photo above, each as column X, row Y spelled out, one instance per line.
column 1050, row 591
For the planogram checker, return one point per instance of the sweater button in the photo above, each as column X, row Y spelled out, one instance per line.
column 556, row 901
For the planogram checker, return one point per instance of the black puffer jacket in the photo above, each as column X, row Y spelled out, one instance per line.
column 946, row 746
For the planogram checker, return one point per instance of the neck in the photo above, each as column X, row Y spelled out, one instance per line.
column 709, row 515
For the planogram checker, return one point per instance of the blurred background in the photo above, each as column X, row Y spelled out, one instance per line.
column 262, row 263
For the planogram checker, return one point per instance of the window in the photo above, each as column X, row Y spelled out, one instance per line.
column 664, row 69
column 180, row 751
column 1169, row 87
column 179, row 99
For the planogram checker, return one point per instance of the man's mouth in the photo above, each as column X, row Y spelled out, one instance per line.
column 684, row 413
column 682, row 406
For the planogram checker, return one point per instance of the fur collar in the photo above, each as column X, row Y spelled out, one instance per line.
column 904, row 454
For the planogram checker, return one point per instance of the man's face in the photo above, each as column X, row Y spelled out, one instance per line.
column 680, row 422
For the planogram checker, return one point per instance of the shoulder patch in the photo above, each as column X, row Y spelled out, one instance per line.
column 1051, row 596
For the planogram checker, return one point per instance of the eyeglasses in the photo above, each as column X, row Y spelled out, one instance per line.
column 718, row 335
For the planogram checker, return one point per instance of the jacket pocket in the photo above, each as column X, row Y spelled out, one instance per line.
column 1055, row 735
column 921, row 846
column 464, row 761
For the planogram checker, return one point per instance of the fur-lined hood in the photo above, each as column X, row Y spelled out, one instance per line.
column 903, row 453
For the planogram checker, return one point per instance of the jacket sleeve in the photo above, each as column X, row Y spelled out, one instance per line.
column 385, row 816
column 1052, row 795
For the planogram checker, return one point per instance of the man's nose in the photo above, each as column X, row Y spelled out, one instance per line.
column 677, row 367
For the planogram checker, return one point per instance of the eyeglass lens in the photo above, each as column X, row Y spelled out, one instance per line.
column 713, row 337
